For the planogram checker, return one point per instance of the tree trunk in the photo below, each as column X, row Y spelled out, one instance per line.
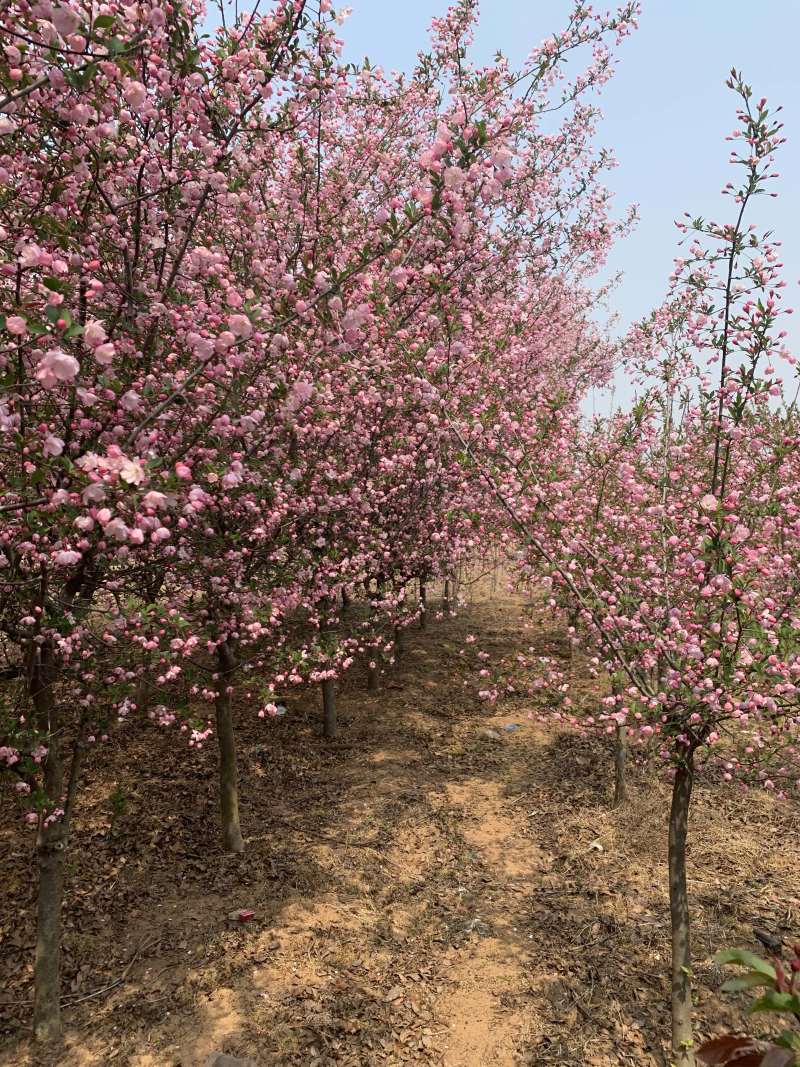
column 141, row 695
column 447, row 596
column 620, row 764
column 423, row 606
column 329, row 708
column 226, row 740
column 47, row 965
column 50, row 843
column 373, row 656
column 373, row 674
column 573, row 625
column 682, row 1043
column 399, row 645
column 346, row 601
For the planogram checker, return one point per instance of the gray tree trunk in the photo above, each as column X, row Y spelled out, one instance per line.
column 682, row 1039
column 232, row 840
column 620, row 765
column 50, row 845
column 329, row 725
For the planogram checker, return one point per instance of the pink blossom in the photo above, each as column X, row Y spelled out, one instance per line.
column 241, row 326
column 29, row 255
column 135, row 94
column 132, row 472
column 53, row 446
column 104, row 354
column 94, row 333
column 16, row 325
column 454, row 178
column 67, row 558
column 225, row 340
column 65, row 19
column 116, row 529
column 154, row 499
column 55, row 367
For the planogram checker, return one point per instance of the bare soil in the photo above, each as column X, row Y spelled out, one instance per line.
column 423, row 893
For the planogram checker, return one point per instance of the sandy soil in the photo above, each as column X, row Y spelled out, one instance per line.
column 423, row 893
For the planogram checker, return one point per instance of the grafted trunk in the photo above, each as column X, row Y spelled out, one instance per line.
column 50, row 846
column 329, row 725
column 423, row 606
column 620, row 764
column 232, row 840
column 447, row 596
column 682, row 1041
column 346, row 601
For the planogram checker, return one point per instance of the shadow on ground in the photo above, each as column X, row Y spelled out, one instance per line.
column 423, row 892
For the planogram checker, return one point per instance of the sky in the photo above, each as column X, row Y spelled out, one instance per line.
column 667, row 111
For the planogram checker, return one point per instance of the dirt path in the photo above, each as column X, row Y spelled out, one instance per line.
column 433, row 888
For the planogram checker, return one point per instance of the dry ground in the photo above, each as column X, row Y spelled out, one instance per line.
column 423, row 894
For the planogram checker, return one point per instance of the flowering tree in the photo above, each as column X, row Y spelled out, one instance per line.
column 122, row 140
column 673, row 529
column 350, row 472
column 226, row 388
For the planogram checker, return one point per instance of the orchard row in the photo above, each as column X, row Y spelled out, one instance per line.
column 281, row 335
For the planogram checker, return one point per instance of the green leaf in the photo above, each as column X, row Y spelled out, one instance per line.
column 104, row 22
column 746, row 981
column 55, row 312
column 789, row 1039
column 55, row 285
column 80, row 79
column 746, row 959
column 772, row 1000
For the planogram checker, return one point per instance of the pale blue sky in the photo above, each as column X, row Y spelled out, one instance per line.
column 666, row 111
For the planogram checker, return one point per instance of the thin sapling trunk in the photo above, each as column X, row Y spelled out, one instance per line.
column 399, row 645
column 682, row 1041
column 329, row 724
column 373, row 672
column 620, row 764
column 232, row 840
column 50, row 844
